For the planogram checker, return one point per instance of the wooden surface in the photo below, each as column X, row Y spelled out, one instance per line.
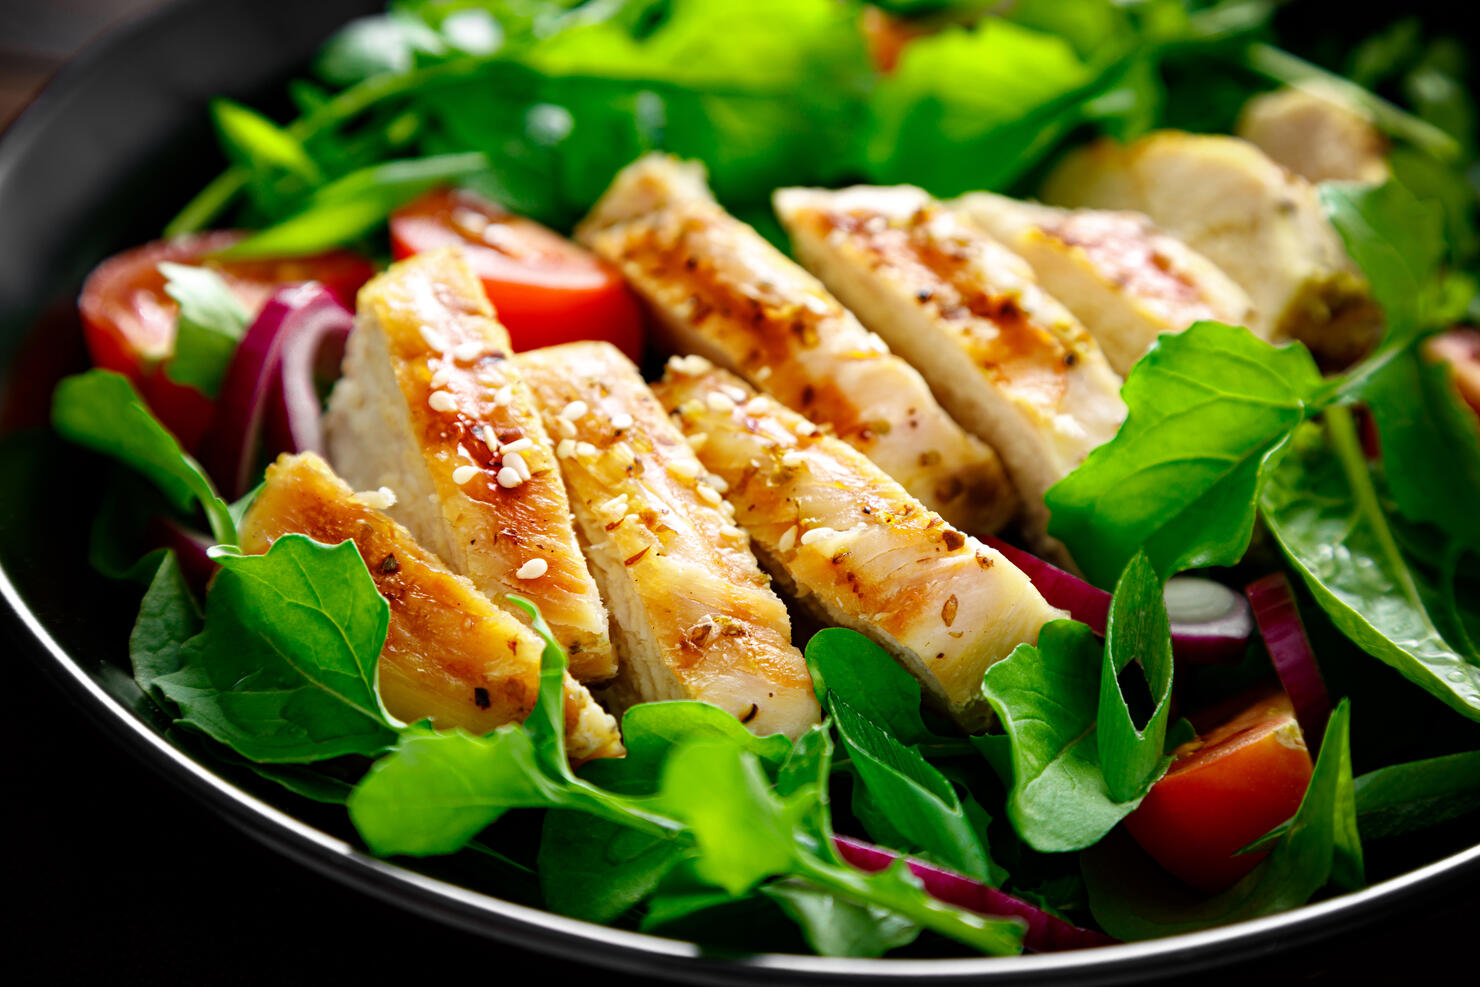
column 115, row 876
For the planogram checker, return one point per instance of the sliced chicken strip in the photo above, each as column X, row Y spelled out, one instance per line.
column 1316, row 133
column 431, row 407
column 450, row 654
column 851, row 543
column 719, row 290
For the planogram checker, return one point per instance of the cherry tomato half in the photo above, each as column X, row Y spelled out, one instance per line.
column 129, row 321
column 1461, row 348
column 1225, row 790
column 545, row 289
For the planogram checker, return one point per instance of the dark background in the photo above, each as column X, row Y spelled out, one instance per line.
column 111, row 873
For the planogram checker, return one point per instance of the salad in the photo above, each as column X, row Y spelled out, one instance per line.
column 821, row 475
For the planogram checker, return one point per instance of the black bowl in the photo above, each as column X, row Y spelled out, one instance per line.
column 96, row 164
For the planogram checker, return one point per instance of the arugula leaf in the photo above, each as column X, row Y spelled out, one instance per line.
column 101, row 410
column 836, row 926
column 1047, row 698
column 650, row 731
column 1430, row 445
column 168, row 617
column 596, row 869
column 371, row 46
column 261, row 142
column 1138, row 630
column 210, row 325
column 845, row 662
column 1405, row 798
column 1322, row 507
column 1398, row 242
column 284, row 667
column 1320, row 846
column 1210, row 410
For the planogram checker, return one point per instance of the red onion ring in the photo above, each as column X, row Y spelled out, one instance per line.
column 1289, row 649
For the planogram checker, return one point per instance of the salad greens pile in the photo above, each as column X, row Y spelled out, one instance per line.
column 1236, row 453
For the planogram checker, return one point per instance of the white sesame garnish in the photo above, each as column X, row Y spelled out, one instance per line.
column 509, row 478
column 567, row 428
column 758, row 405
column 523, row 444
column 719, row 402
column 716, row 481
column 805, row 428
column 621, row 421
column 464, row 474
column 730, row 531
column 697, row 440
column 585, row 450
column 433, row 338
column 617, row 505
column 492, row 377
column 787, row 541
column 442, row 401
column 516, row 462
column 533, row 569
column 692, row 365
column 575, row 410
column 467, row 352
column 441, row 377
column 763, row 373
column 816, row 534
column 708, row 494
column 791, row 459
column 737, row 394
column 686, row 468
column 382, row 500
column 728, row 510
column 504, row 394
column 565, row 448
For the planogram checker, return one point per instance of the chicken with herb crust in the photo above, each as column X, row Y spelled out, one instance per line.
column 450, row 654
column 693, row 615
column 719, row 290
column 851, row 543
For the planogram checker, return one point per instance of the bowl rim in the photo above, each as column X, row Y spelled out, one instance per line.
column 636, row 952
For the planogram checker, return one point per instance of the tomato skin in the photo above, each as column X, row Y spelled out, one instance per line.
column 129, row 322
column 545, row 289
column 886, row 36
column 1461, row 348
column 1239, row 781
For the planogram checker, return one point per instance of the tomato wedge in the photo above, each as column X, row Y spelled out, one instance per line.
column 129, row 322
column 546, row 289
column 1225, row 790
column 1461, row 348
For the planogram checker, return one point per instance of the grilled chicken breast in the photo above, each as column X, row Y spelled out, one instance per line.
column 851, row 543
column 1258, row 222
column 1122, row 277
column 693, row 615
column 1005, row 359
column 720, row 290
column 1316, row 133
column 431, row 407
column 450, row 654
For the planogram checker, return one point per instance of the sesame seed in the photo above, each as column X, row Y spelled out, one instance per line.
column 763, row 373
column 708, row 494
column 567, row 428
column 574, row 410
column 442, row 401
column 717, row 482
column 730, row 531
column 467, row 352
column 518, row 445
column 441, row 377
column 381, row 500
column 516, row 462
column 621, row 421
column 719, row 402
column 804, row 428
column 728, row 510
column 816, row 534
column 464, row 474
column 692, row 365
column 758, row 405
column 565, row 448
column 686, row 468
column 791, row 459
column 787, row 541
column 504, row 394
column 697, row 440
column 585, row 450
column 509, row 478
column 737, row 394
column 533, row 569
column 433, row 338
column 617, row 505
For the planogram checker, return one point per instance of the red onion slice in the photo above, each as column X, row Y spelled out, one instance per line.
column 1289, row 649
column 1205, row 635
column 273, row 368
column 191, row 549
column 1046, row 933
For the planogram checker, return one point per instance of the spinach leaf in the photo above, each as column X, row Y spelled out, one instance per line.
column 1320, row 846
column 284, row 669
column 836, row 926
column 1405, row 798
column 1322, row 507
column 101, row 410
column 1209, row 410
column 1138, row 630
column 168, row 617
column 210, row 324
column 1047, row 698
